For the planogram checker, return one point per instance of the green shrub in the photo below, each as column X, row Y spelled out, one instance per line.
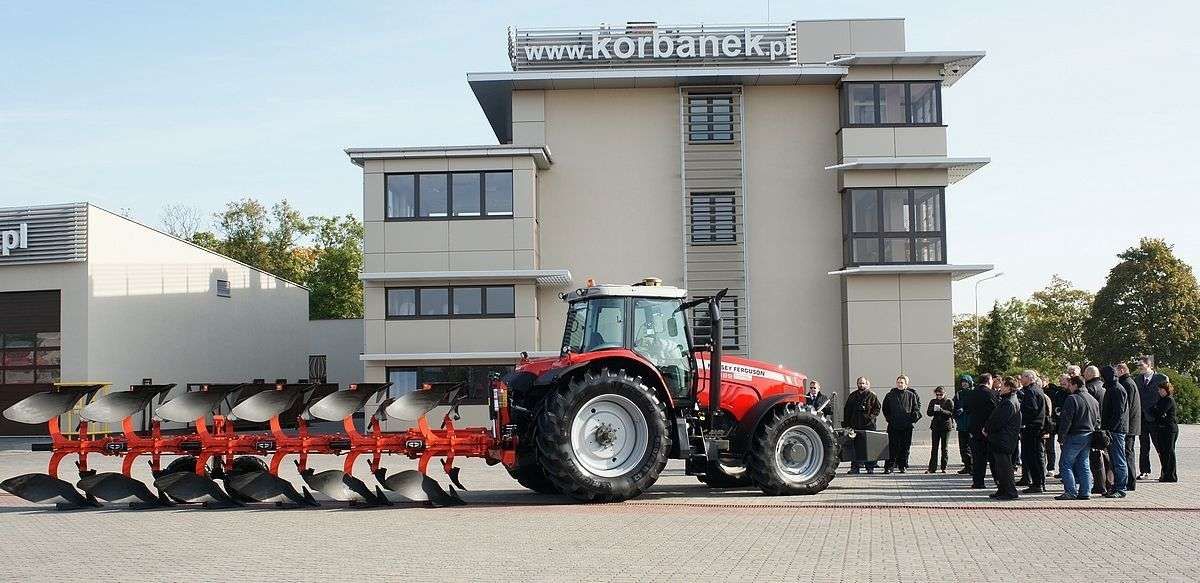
column 1187, row 395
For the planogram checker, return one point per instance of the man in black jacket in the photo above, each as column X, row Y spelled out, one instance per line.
column 1003, row 430
column 1114, row 418
column 965, row 384
column 902, row 409
column 978, row 404
column 1057, row 393
column 861, row 409
column 1135, row 420
column 817, row 400
column 1033, row 425
column 941, row 421
column 1147, row 382
column 1101, row 464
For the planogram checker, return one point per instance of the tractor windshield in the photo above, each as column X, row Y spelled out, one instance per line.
column 595, row 325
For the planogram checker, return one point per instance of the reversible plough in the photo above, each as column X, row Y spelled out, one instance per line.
column 247, row 463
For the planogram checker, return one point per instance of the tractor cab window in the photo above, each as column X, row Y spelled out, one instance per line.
column 605, row 324
column 576, row 320
column 660, row 335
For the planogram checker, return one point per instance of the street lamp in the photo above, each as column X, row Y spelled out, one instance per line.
column 977, row 282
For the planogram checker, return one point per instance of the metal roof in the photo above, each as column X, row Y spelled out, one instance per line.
column 958, row 168
column 541, row 277
column 957, row 272
column 955, row 64
column 619, row 290
column 540, row 154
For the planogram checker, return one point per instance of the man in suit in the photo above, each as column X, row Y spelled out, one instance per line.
column 978, row 404
column 1032, row 401
column 1135, row 420
column 1147, row 382
column 817, row 400
column 1003, row 430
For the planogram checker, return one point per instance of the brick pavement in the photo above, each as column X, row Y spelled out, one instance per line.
column 914, row 527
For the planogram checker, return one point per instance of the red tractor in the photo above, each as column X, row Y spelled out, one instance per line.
column 631, row 390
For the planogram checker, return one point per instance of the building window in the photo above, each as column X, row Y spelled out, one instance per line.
column 714, row 218
column 29, row 358
column 223, row 288
column 710, row 118
column 448, row 195
column 730, row 324
column 439, row 303
column 891, row 103
column 894, row 225
column 477, row 378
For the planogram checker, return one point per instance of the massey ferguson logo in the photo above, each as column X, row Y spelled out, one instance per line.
column 17, row 238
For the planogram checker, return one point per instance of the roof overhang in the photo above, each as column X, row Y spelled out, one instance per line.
column 540, row 154
column 958, row 168
column 954, row 64
column 494, row 90
column 456, row 356
column 956, row 272
column 540, row 277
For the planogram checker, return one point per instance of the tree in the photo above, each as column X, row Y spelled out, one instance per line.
column 1150, row 304
column 334, row 287
column 997, row 339
column 182, row 221
column 1052, row 336
column 966, row 348
column 267, row 241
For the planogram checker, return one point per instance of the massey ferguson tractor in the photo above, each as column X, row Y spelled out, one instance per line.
column 629, row 390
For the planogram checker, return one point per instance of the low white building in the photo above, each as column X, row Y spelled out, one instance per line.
column 86, row 294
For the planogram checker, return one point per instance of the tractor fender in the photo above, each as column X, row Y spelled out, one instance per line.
column 616, row 360
column 749, row 423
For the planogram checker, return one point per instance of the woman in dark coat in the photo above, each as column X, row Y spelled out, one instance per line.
column 1166, row 431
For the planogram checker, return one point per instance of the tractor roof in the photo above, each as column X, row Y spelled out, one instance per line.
column 616, row 290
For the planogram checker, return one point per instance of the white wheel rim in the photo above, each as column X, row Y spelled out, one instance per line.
column 799, row 454
column 609, row 436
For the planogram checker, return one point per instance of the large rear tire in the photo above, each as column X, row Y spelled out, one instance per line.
column 528, row 471
column 793, row 452
column 603, row 436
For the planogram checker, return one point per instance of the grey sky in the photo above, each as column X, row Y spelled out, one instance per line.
column 1084, row 108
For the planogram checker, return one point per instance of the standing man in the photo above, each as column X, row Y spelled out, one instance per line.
column 902, row 409
column 1079, row 418
column 962, row 422
column 1114, row 418
column 1003, row 430
column 941, row 422
column 1033, row 420
column 861, row 409
column 1135, row 420
column 1102, row 474
column 817, row 400
column 1147, row 382
column 979, row 403
column 1054, row 392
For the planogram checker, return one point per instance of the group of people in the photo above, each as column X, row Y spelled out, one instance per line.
column 1095, row 417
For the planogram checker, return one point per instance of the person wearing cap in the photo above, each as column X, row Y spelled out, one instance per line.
column 941, row 422
column 1114, row 419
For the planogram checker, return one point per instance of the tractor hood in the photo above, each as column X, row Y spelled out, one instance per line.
column 744, row 370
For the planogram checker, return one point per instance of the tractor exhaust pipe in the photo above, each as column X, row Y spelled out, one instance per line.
column 716, row 329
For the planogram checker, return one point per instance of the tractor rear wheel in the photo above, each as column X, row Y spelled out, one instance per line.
column 528, row 471
column 603, row 436
column 793, row 452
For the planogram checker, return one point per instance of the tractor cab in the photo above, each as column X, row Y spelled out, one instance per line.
column 647, row 318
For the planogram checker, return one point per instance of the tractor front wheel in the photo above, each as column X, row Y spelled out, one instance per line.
column 603, row 436
column 793, row 452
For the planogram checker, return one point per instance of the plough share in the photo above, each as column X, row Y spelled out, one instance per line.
column 218, row 466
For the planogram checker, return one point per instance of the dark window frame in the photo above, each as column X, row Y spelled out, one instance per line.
column 450, row 315
column 450, row 216
column 849, row 236
column 422, row 372
column 33, row 368
column 715, row 233
column 705, row 126
column 844, row 98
